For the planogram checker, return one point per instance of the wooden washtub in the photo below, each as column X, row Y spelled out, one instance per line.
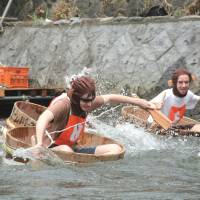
column 24, row 113
column 139, row 116
column 21, row 138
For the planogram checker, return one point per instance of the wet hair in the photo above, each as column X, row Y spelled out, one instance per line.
column 175, row 76
column 79, row 87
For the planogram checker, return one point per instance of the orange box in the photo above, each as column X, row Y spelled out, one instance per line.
column 14, row 77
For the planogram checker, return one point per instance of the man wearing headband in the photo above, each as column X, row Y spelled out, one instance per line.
column 175, row 101
column 67, row 115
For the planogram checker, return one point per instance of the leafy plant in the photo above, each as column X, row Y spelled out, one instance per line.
column 64, row 9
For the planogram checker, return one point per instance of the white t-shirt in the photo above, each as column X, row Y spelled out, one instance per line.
column 175, row 107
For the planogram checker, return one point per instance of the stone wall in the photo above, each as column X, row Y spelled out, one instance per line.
column 137, row 54
column 132, row 55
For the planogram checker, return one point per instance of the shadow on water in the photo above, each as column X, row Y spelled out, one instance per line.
column 154, row 167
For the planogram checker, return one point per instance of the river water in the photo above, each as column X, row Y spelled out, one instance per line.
column 154, row 168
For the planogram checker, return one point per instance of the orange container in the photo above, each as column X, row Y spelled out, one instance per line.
column 14, row 77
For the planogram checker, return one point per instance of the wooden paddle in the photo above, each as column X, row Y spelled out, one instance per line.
column 160, row 118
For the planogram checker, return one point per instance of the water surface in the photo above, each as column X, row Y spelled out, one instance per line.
column 154, row 168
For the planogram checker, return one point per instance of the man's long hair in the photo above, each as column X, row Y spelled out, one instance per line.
column 175, row 77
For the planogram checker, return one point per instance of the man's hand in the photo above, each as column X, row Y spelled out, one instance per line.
column 158, row 105
column 150, row 105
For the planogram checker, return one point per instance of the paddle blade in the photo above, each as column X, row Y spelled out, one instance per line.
column 160, row 118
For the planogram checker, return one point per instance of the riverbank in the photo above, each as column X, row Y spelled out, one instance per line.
column 154, row 167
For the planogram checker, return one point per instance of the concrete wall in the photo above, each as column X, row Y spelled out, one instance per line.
column 132, row 54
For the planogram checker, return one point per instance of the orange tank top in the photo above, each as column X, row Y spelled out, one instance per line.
column 74, row 129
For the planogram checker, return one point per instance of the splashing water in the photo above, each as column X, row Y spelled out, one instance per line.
column 84, row 72
column 135, row 139
column 139, row 139
column 39, row 153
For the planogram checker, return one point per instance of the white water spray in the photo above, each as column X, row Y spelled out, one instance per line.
column 134, row 139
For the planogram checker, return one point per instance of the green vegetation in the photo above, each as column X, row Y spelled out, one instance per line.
column 64, row 10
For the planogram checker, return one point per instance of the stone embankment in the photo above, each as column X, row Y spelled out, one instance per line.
column 136, row 55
